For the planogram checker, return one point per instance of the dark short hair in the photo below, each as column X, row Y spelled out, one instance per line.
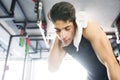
column 62, row 11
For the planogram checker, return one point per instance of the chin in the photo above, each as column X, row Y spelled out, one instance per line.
column 65, row 45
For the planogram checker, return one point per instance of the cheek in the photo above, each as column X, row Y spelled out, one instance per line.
column 66, row 34
column 72, row 33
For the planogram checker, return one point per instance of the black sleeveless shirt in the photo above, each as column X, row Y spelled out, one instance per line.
column 87, row 57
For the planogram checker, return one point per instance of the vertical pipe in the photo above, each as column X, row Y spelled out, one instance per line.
column 40, row 54
column 24, row 65
column 36, row 46
column 30, row 69
column 6, row 59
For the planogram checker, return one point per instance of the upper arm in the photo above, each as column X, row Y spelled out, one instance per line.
column 99, row 42
column 103, row 49
column 93, row 31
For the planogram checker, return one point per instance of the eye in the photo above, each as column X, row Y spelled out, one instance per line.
column 67, row 28
column 57, row 30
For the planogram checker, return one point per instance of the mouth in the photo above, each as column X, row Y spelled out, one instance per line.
column 66, row 42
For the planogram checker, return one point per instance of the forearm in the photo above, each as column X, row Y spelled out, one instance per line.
column 113, row 68
column 113, row 71
column 54, row 60
column 55, row 56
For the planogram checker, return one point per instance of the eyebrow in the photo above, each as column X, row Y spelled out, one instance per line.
column 63, row 28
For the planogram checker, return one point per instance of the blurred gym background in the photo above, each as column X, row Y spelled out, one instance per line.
column 26, row 36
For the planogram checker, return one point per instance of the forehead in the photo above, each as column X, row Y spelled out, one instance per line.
column 61, row 24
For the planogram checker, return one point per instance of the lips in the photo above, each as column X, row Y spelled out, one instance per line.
column 65, row 41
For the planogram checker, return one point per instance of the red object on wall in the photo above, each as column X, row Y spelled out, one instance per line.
column 34, row 0
column 43, row 25
column 28, row 41
column 22, row 32
column 118, row 23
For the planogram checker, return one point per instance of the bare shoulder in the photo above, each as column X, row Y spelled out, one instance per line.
column 93, row 30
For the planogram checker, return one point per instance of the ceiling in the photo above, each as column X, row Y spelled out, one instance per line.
column 15, row 14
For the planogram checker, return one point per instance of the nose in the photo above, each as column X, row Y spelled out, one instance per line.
column 63, row 34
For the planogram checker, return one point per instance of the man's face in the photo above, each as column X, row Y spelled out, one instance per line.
column 65, row 31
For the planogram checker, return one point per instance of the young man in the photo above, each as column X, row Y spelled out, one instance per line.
column 85, row 41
